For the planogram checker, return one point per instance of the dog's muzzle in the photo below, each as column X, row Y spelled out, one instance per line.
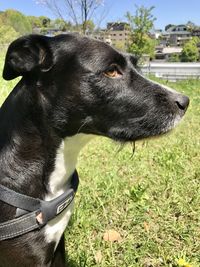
column 33, row 213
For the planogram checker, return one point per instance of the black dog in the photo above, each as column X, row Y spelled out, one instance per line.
column 71, row 88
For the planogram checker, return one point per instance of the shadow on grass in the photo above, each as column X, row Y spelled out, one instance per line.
column 80, row 261
column 72, row 263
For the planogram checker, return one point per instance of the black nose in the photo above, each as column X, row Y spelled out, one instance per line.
column 182, row 102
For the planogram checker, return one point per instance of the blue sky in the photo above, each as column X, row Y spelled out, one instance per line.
column 166, row 11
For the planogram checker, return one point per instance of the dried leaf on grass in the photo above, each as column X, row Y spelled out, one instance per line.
column 112, row 235
column 98, row 256
column 146, row 226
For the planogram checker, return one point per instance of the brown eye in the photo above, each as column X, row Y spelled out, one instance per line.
column 113, row 72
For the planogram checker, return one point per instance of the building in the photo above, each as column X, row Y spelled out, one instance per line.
column 116, row 34
column 176, row 35
column 165, row 53
column 119, row 33
column 196, row 33
column 156, row 34
column 102, row 35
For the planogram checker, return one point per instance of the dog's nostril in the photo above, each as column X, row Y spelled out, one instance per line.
column 182, row 102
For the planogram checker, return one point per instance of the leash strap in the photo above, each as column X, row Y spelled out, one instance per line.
column 33, row 213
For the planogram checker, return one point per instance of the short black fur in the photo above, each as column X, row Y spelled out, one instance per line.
column 64, row 91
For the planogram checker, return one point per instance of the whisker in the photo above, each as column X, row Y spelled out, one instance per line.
column 86, row 121
column 82, row 125
column 133, row 149
column 121, row 146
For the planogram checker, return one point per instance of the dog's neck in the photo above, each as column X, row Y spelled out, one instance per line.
column 36, row 153
column 65, row 163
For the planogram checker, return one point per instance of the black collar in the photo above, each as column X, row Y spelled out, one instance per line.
column 33, row 213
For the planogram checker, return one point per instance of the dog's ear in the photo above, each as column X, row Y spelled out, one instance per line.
column 28, row 54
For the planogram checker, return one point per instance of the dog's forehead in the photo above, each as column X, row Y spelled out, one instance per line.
column 99, row 54
column 102, row 53
column 91, row 53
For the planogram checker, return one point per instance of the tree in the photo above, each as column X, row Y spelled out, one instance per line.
column 45, row 21
column 17, row 21
column 59, row 24
column 174, row 58
column 120, row 45
column 190, row 52
column 191, row 26
column 141, row 24
column 80, row 12
column 168, row 26
column 7, row 34
column 89, row 26
column 35, row 22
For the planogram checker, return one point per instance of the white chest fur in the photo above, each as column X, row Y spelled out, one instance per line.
column 65, row 165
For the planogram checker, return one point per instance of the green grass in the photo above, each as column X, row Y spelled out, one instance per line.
column 152, row 198
column 5, row 86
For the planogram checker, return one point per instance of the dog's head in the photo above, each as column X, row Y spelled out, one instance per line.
column 91, row 88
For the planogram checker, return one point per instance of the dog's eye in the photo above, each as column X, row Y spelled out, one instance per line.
column 113, row 72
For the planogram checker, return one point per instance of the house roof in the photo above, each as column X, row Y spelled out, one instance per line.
column 177, row 29
column 172, row 50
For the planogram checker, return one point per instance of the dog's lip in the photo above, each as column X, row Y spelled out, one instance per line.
column 126, row 136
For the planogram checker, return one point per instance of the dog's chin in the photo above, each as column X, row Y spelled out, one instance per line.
column 132, row 138
column 171, row 125
column 129, row 135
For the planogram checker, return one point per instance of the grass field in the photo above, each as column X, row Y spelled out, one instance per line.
column 151, row 199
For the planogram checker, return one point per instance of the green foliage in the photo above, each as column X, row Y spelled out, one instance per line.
column 7, row 34
column 21, row 24
column 35, row 22
column 191, row 26
column 45, row 21
column 141, row 24
column 174, row 58
column 121, row 46
column 144, row 47
column 190, row 52
column 88, row 26
column 137, row 192
column 60, row 24
column 17, row 21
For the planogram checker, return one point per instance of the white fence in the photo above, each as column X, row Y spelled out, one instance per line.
column 172, row 71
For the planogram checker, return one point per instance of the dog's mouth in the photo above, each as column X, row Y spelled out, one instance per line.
column 144, row 130
column 130, row 124
column 171, row 125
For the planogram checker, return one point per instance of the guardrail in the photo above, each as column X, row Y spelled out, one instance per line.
column 172, row 71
